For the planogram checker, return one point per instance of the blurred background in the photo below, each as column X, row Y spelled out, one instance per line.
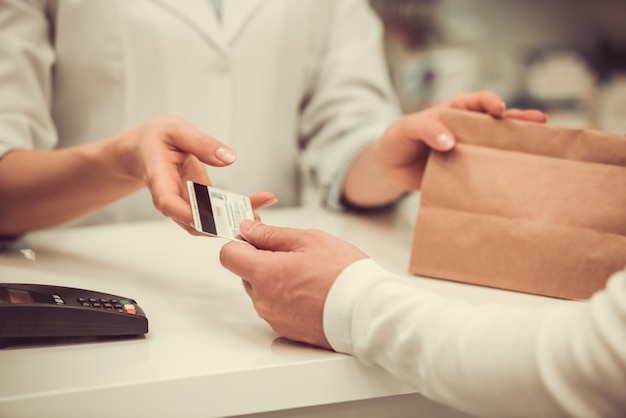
column 566, row 57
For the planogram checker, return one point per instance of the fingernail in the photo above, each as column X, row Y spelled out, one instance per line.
column 269, row 202
column 247, row 225
column 503, row 106
column 445, row 140
column 226, row 155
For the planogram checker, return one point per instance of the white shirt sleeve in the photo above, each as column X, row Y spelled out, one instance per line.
column 489, row 360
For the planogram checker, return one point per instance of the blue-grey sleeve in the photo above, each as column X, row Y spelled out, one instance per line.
column 351, row 100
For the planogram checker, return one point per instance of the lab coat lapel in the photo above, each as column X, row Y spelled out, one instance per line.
column 200, row 15
column 236, row 14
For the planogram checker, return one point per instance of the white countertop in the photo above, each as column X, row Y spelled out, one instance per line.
column 207, row 351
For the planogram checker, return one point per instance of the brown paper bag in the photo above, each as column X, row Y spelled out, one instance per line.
column 523, row 206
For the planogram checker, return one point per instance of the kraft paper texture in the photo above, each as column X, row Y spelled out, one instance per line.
column 523, row 206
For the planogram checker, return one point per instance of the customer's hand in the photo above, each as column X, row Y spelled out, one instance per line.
column 394, row 164
column 166, row 152
column 288, row 275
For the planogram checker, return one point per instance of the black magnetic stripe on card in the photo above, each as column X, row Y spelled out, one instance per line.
column 207, row 220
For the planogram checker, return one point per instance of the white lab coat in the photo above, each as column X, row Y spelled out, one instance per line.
column 287, row 84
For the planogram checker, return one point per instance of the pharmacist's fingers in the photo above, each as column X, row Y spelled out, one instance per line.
column 529, row 115
column 483, row 101
column 262, row 199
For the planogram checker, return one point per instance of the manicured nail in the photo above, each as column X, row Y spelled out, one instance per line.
column 226, row 155
column 269, row 202
column 445, row 140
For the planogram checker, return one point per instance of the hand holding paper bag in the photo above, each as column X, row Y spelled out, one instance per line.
column 394, row 164
column 523, row 206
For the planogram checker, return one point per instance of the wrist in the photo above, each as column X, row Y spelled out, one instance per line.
column 116, row 157
column 369, row 181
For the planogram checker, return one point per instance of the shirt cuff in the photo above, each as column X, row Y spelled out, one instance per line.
column 333, row 196
column 342, row 299
column 4, row 149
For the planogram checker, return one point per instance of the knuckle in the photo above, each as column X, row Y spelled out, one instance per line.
column 157, row 201
column 314, row 234
column 263, row 309
column 204, row 142
column 166, row 120
column 162, row 204
column 224, row 255
column 264, row 234
column 167, row 125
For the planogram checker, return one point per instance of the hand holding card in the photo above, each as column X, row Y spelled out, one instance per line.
column 218, row 212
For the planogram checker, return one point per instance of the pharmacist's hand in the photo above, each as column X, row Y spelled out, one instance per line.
column 167, row 151
column 288, row 275
column 164, row 153
column 404, row 148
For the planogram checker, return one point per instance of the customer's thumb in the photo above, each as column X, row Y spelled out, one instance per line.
column 267, row 237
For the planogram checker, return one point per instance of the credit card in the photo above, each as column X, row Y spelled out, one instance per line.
column 218, row 212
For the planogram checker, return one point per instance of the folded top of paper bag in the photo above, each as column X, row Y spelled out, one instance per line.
column 534, row 138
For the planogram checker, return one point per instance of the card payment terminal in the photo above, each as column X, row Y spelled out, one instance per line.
column 37, row 310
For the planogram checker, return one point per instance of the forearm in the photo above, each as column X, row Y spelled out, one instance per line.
column 41, row 189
